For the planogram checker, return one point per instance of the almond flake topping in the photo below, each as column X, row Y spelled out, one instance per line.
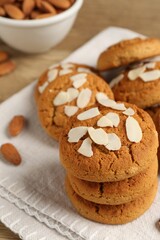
column 70, row 110
column 82, row 69
column 105, row 101
column 79, row 79
column 104, row 122
column 75, row 134
column 61, row 98
column 67, row 65
column 52, row 75
column 64, row 72
column 43, row 87
column 114, row 142
column 114, row 118
column 133, row 74
column 84, row 98
column 133, row 129
column 150, row 75
column 86, row 148
column 92, row 112
column 150, row 65
column 73, row 93
column 129, row 112
column 54, row 66
column 98, row 135
column 116, row 80
column 101, row 96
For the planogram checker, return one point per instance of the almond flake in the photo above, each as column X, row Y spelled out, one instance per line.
column 150, row 75
column 54, row 66
column 101, row 96
column 66, row 65
column 92, row 112
column 114, row 118
column 129, row 112
column 103, row 100
column 82, row 69
column 150, row 65
column 86, row 148
column 61, row 98
column 133, row 129
column 70, row 110
column 104, row 122
column 43, row 87
column 133, row 74
column 64, row 72
column 116, row 80
column 52, row 75
column 114, row 142
column 79, row 79
column 84, row 98
column 98, row 135
column 73, row 93
column 75, row 134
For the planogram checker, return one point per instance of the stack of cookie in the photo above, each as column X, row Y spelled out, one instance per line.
column 109, row 153
column 139, row 82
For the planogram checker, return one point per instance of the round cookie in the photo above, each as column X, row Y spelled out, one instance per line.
column 112, row 214
column 57, row 70
column 115, row 193
column 122, row 158
column 53, row 115
column 139, row 91
column 128, row 51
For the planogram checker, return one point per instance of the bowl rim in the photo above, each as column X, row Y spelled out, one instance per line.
column 45, row 21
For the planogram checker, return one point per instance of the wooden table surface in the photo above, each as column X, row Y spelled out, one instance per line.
column 141, row 16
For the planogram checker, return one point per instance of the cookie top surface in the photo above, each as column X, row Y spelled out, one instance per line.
column 139, row 85
column 121, row 150
column 57, row 70
column 128, row 51
column 63, row 97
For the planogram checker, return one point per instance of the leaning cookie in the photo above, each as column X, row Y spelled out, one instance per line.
column 63, row 97
column 119, row 192
column 112, row 214
column 57, row 70
column 128, row 51
column 140, row 84
column 108, row 143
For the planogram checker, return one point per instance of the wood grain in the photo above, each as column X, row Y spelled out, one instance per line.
column 141, row 16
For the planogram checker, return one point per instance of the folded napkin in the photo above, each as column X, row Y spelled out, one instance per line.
column 33, row 202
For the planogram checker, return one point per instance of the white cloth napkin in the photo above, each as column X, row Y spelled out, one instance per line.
column 33, row 202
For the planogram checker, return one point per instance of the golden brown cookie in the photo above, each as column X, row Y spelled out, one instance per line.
column 124, row 148
column 140, row 85
column 65, row 96
column 57, row 70
column 112, row 214
column 115, row 193
column 128, row 51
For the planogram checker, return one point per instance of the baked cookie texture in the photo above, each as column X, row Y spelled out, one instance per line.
column 57, row 70
column 105, row 165
column 112, row 214
column 143, row 94
column 53, row 118
column 128, row 51
column 119, row 192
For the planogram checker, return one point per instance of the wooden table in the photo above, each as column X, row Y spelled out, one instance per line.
column 141, row 16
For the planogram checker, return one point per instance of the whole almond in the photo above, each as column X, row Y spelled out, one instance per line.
column 28, row 6
column 13, row 11
column 2, row 12
column 3, row 55
column 63, row 4
column 45, row 15
column 3, row 2
column 6, row 67
column 47, row 7
column 38, row 3
column 34, row 14
column 10, row 153
column 16, row 125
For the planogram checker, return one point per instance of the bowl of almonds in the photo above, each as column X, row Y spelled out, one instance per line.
column 35, row 26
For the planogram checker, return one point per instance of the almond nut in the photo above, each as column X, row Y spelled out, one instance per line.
column 45, row 15
column 34, row 14
column 10, row 153
column 28, row 6
column 38, row 3
column 63, row 4
column 3, row 55
column 16, row 125
column 13, row 11
column 6, row 67
column 3, row 2
column 47, row 7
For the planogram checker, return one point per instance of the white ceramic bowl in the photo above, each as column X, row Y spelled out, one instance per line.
column 36, row 36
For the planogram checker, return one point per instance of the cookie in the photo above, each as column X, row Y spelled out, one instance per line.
column 105, row 144
column 112, row 214
column 115, row 193
column 57, row 70
column 139, row 85
column 63, row 97
column 128, row 51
